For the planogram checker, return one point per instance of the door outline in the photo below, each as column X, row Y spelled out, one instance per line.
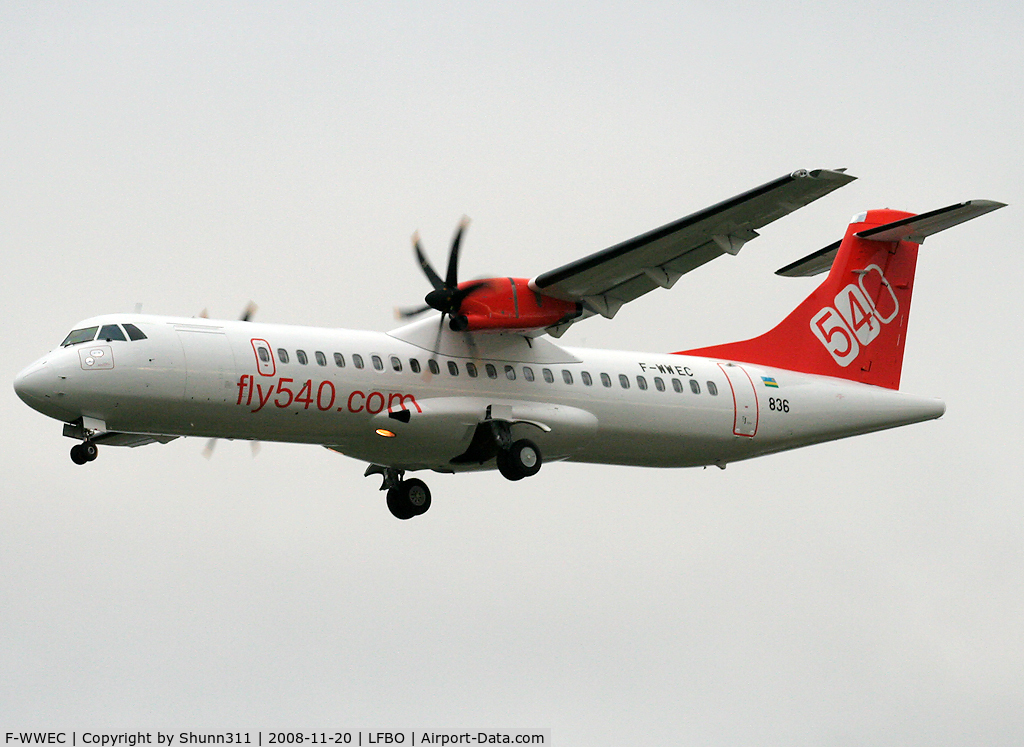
column 745, row 406
column 268, row 368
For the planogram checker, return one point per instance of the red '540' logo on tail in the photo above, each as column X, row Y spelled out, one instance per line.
column 856, row 319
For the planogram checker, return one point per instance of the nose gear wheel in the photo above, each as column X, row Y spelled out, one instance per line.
column 84, row 452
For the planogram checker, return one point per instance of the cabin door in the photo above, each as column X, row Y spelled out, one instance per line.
column 744, row 398
column 209, row 366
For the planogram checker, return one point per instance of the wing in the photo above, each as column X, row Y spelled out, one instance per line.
column 607, row 279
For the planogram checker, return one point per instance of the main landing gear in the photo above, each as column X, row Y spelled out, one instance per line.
column 521, row 459
column 409, row 498
column 84, row 452
column 406, row 498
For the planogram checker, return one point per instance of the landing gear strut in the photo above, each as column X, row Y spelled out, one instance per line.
column 406, row 498
column 84, row 452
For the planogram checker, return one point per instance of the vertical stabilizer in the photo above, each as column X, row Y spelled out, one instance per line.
column 854, row 325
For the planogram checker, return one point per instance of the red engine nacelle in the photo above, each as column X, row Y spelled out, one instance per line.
column 510, row 303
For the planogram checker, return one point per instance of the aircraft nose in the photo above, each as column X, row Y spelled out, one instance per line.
column 35, row 384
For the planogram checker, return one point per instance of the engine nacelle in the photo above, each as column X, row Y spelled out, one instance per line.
column 510, row 303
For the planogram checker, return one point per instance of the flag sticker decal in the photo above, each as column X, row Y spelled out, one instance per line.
column 770, row 382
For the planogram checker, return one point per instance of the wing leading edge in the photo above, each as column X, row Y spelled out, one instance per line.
column 607, row 279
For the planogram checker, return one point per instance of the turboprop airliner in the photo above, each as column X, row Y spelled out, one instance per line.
column 482, row 382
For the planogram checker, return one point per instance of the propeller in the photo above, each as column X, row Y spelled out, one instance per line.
column 246, row 316
column 211, row 444
column 447, row 296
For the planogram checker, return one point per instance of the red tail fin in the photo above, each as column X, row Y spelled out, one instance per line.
column 854, row 325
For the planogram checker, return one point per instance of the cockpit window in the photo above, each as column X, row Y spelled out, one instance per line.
column 134, row 333
column 111, row 332
column 78, row 336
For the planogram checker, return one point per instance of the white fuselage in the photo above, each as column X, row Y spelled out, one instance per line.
column 198, row 377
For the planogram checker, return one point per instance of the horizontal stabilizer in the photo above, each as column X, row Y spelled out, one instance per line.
column 915, row 229
column 813, row 264
column 919, row 227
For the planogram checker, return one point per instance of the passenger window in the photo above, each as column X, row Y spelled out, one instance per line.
column 492, row 372
column 527, row 373
column 659, row 383
column 414, row 365
column 510, row 373
column 453, row 368
column 548, row 376
column 641, row 382
column 712, row 389
column 112, row 332
column 587, row 381
column 263, row 353
column 566, row 375
column 377, row 362
column 471, row 370
column 282, row 355
column 432, row 365
column 134, row 333
column 677, row 385
column 79, row 336
column 624, row 381
column 396, row 364
column 339, row 360
column 300, row 356
column 357, row 360
column 694, row 386
column 606, row 380
column 321, row 359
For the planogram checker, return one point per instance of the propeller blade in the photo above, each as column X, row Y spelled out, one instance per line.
column 401, row 313
column 428, row 373
column 474, row 351
column 208, row 449
column 462, row 293
column 437, row 340
column 452, row 278
column 432, row 276
column 248, row 311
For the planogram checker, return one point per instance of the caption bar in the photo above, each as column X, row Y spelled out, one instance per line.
column 261, row 738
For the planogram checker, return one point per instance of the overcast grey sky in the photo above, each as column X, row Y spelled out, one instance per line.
column 199, row 155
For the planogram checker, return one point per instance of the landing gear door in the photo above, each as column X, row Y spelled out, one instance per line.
column 744, row 398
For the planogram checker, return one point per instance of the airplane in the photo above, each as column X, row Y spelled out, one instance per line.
column 482, row 384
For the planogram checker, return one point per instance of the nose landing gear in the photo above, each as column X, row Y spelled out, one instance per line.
column 84, row 452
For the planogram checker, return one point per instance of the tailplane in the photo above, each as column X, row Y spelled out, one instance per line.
column 854, row 325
